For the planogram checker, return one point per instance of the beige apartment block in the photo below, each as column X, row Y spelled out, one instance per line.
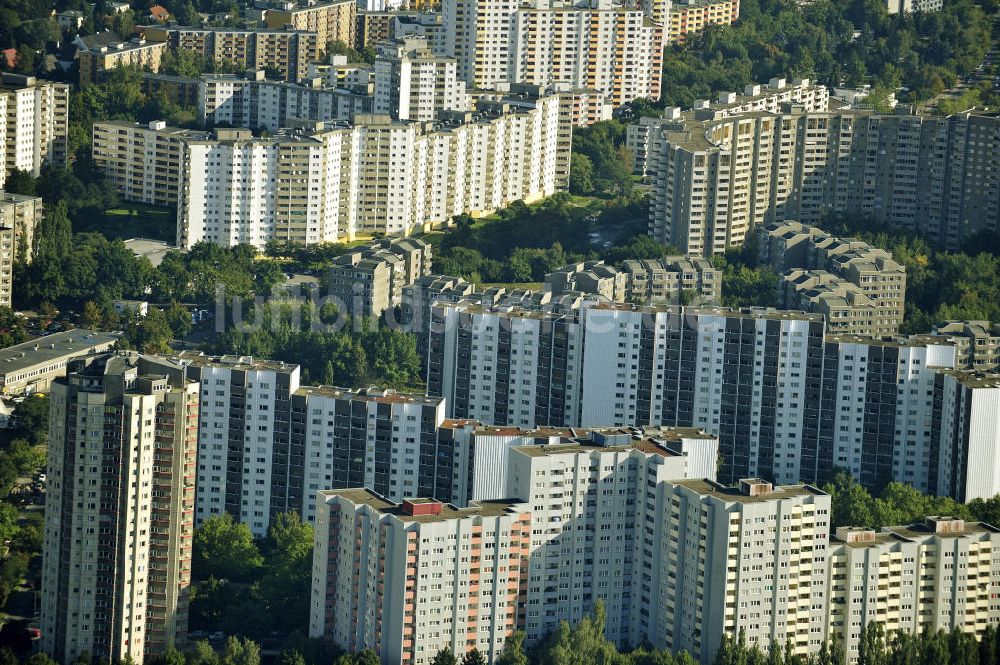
column 844, row 305
column 19, row 216
column 714, row 179
column 138, row 52
column 792, row 245
column 142, row 161
column 749, row 559
column 977, row 343
column 929, row 576
column 332, row 20
column 34, row 124
column 694, row 16
column 640, row 136
column 119, row 520
column 288, row 51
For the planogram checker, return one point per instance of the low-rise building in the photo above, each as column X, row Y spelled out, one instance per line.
column 31, row 366
column 790, row 244
column 844, row 305
column 977, row 343
column 371, row 280
column 672, row 279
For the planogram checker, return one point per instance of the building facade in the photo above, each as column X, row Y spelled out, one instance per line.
column 332, row 20
column 407, row 579
column 34, row 124
column 613, row 49
column 96, row 62
column 412, row 83
column 288, row 52
column 19, row 215
column 787, row 400
column 253, row 101
column 119, row 512
column 714, row 179
column 339, row 180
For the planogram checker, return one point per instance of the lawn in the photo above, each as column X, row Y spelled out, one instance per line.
column 133, row 220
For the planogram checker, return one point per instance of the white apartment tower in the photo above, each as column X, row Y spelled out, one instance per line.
column 412, row 83
column 34, row 124
column 595, row 506
column 119, row 509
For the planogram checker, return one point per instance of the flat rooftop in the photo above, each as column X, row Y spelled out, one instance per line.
column 974, row 378
column 448, row 512
column 154, row 250
column 58, row 345
column 733, row 494
column 197, row 359
column 370, row 395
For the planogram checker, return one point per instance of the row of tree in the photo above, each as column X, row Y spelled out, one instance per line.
column 252, row 587
column 330, row 349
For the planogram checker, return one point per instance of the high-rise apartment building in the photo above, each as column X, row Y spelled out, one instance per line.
column 595, row 507
column 407, row 579
column 254, row 102
column 748, row 560
column 599, row 46
column 331, row 20
column 758, row 97
column 694, row 16
column 934, row 575
column 339, row 180
column 613, row 49
column 143, row 162
column 19, row 215
column 964, row 433
column 96, row 62
column 714, row 179
column 787, row 400
column 412, row 83
column 34, row 124
column 286, row 51
column 119, row 516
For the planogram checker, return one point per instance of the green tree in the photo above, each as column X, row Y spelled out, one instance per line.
column 513, row 651
column 19, row 182
column 225, row 549
column 179, row 320
column 581, row 174
column 286, row 584
column 91, row 315
column 31, row 419
column 473, row 657
column 444, row 657
column 241, row 652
